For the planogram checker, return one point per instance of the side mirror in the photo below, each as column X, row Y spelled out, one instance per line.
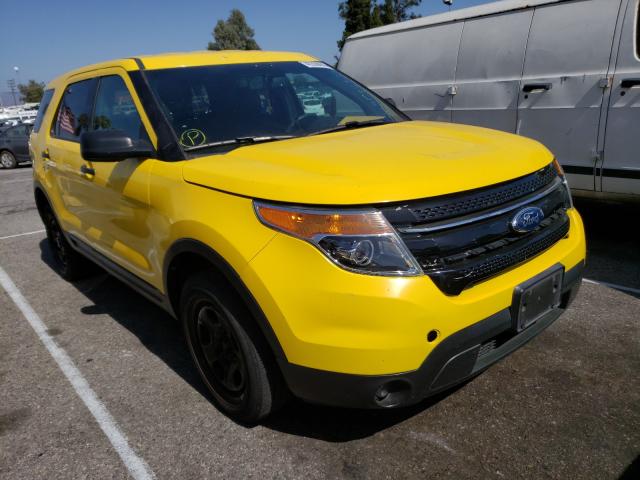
column 112, row 146
column 391, row 101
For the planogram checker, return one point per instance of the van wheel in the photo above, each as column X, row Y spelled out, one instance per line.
column 69, row 263
column 8, row 160
column 231, row 355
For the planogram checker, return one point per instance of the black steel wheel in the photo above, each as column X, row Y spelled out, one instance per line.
column 232, row 357
column 220, row 351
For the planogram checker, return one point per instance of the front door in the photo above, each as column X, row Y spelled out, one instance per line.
column 621, row 172
column 116, row 194
column 564, row 79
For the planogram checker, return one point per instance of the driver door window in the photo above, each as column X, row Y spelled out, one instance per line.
column 115, row 110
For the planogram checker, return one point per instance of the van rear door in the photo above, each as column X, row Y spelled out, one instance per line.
column 565, row 71
column 621, row 172
column 490, row 68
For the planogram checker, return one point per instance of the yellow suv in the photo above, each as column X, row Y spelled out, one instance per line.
column 309, row 236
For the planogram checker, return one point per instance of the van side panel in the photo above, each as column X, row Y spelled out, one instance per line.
column 490, row 68
column 621, row 172
column 416, row 68
column 567, row 58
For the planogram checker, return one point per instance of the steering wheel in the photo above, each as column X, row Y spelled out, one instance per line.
column 296, row 123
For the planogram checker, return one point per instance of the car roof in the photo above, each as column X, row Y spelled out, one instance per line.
column 453, row 16
column 189, row 59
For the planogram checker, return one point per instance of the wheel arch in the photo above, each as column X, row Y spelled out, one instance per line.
column 188, row 256
column 42, row 199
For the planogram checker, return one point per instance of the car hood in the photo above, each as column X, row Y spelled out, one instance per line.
column 379, row 164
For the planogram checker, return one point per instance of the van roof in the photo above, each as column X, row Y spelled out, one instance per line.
column 453, row 16
column 191, row 59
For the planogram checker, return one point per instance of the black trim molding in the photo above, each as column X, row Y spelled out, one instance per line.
column 605, row 172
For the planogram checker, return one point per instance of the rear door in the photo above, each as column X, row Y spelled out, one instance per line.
column 621, row 172
column 62, row 160
column 490, row 69
column 416, row 68
column 565, row 73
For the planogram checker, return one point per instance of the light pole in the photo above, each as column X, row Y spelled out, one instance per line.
column 17, row 72
column 11, row 83
column 448, row 3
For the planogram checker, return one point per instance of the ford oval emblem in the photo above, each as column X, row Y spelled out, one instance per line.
column 527, row 219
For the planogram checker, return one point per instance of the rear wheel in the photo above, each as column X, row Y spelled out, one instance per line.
column 8, row 160
column 69, row 263
column 231, row 355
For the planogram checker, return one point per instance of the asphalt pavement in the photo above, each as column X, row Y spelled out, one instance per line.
column 567, row 405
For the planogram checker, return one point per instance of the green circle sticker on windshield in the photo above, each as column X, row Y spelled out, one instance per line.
column 192, row 138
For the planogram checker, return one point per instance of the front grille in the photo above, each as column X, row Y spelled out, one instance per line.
column 457, row 278
column 450, row 206
column 458, row 249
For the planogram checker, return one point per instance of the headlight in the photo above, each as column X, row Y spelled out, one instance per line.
column 360, row 241
column 561, row 174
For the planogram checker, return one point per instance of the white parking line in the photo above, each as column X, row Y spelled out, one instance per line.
column 137, row 467
column 22, row 234
column 17, row 180
column 612, row 285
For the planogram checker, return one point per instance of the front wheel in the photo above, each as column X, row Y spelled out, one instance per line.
column 229, row 351
column 8, row 160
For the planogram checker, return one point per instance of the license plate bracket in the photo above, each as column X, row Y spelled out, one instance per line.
column 536, row 297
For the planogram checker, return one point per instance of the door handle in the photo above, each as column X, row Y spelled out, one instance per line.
column 45, row 155
column 87, row 170
column 536, row 87
column 630, row 83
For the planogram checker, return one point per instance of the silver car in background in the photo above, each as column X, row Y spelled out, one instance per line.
column 565, row 72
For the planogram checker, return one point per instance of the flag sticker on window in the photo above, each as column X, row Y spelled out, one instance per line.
column 315, row 65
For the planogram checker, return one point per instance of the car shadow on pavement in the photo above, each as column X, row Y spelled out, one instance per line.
column 157, row 330
column 162, row 335
column 613, row 255
column 342, row 424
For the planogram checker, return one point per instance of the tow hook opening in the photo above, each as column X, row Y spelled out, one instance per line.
column 393, row 393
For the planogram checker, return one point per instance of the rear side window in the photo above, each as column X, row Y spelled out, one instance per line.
column 19, row 131
column 74, row 111
column 115, row 109
column 44, row 104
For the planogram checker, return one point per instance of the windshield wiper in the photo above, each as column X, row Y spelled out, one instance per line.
column 239, row 141
column 352, row 124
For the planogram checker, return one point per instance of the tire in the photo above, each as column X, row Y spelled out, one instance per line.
column 232, row 357
column 8, row 159
column 70, row 264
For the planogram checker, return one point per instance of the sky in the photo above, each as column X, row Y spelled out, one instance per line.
column 45, row 38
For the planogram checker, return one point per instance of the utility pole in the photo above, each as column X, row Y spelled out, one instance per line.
column 11, row 83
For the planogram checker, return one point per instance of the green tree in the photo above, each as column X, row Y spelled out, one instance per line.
column 233, row 34
column 376, row 16
column 359, row 15
column 31, row 92
column 399, row 10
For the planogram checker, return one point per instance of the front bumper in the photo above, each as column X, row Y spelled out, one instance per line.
column 457, row 358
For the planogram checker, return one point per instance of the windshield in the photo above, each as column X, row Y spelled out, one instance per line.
column 262, row 101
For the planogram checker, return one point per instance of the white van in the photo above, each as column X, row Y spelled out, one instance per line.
column 565, row 72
